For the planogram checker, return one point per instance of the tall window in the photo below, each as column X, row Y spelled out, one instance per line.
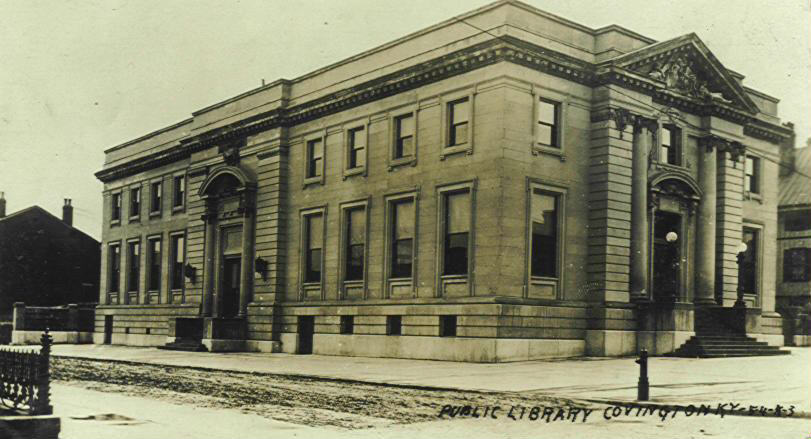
column 178, row 261
column 748, row 269
column 179, row 195
column 355, row 243
column 156, row 196
column 115, row 214
column 154, row 257
column 404, row 136
column 544, row 228
column 134, row 265
column 751, row 181
column 458, row 118
column 670, row 149
column 797, row 265
column 315, row 158
column 114, row 276
column 457, row 232
column 548, row 123
column 402, row 238
column 357, row 148
column 135, row 202
column 314, row 239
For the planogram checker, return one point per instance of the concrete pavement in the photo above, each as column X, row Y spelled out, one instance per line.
column 766, row 381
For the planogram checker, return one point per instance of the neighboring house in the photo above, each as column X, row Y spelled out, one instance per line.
column 44, row 260
column 536, row 189
column 794, row 243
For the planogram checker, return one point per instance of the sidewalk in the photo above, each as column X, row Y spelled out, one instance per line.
column 766, row 381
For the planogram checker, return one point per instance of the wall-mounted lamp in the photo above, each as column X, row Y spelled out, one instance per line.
column 671, row 237
column 261, row 267
column 190, row 272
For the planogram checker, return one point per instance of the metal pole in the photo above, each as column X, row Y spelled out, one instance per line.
column 643, row 388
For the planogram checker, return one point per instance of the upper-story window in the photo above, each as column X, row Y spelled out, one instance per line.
column 404, row 136
column 315, row 158
column 155, row 197
column 179, row 197
column 548, row 127
column 670, row 145
column 456, row 234
column 458, row 122
column 797, row 220
column 751, row 181
column 356, row 148
column 135, row 202
column 115, row 204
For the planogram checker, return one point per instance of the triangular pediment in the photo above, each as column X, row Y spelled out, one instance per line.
column 686, row 67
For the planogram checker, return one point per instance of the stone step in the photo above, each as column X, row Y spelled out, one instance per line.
column 724, row 345
column 188, row 345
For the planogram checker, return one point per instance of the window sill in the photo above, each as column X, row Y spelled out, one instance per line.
column 178, row 209
column 354, row 171
column 115, row 223
column 312, row 181
column 135, row 219
column 402, row 162
column 456, row 149
column 155, row 214
column 670, row 166
column 538, row 149
column 753, row 196
column 540, row 280
column 453, row 277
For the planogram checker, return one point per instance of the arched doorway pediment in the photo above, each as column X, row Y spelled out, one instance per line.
column 225, row 176
column 677, row 182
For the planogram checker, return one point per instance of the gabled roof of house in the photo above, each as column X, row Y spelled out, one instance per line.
column 795, row 188
column 36, row 210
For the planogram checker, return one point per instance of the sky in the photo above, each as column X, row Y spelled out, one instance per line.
column 80, row 76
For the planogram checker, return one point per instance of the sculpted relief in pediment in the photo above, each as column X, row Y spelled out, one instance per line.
column 679, row 75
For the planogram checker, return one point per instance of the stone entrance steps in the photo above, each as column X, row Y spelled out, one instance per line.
column 720, row 346
column 185, row 344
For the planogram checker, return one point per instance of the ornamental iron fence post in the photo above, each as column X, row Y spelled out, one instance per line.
column 43, row 405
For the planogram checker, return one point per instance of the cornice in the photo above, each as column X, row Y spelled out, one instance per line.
column 506, row 48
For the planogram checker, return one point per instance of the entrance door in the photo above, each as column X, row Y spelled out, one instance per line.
column 230, row 287
column 108, row 329
column 667, row 241
column 306, row 327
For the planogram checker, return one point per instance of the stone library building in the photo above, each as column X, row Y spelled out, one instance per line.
column 504, row 185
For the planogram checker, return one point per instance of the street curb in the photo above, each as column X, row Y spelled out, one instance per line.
column 682, row 407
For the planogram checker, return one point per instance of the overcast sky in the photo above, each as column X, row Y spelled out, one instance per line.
column 78, row 77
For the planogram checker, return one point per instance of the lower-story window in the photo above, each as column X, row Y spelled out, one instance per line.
column 114, row 274
column 457, row 219
column 178, row 261
column 797, row 265
column 544, row 234
column 313, row 245
column 748, row 269
column 133, row 265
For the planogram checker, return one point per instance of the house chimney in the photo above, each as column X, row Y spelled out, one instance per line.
column 67, row 212
column 2, row 205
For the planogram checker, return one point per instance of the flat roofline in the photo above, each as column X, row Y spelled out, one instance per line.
column 429, row 29
column 151, row 134
column 761, row 94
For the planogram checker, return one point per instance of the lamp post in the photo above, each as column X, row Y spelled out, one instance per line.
column 739, row 303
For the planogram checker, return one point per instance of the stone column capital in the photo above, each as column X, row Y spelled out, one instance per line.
column 646, row 123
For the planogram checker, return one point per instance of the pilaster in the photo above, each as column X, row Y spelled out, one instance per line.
column 729, row 222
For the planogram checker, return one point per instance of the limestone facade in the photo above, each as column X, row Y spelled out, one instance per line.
column 540, row 189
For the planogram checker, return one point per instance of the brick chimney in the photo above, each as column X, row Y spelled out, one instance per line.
column 2, row 205
column 67, row 212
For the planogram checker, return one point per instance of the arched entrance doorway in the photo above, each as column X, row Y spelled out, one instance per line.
column 673, row 202
column 229, row 196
